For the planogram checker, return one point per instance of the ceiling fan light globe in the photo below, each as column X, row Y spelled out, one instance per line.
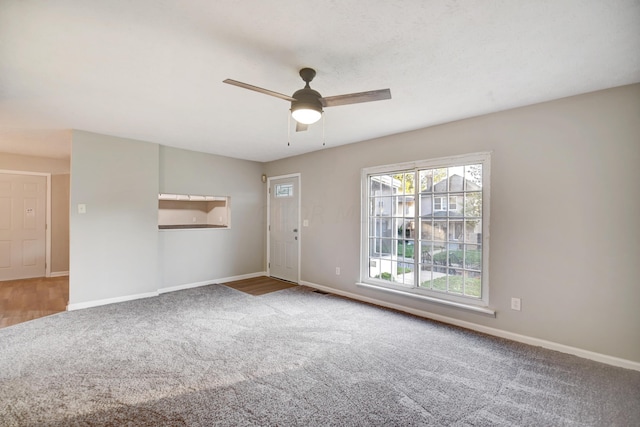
column 306, row 116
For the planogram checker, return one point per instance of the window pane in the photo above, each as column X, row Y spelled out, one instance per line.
column 426, row 181
column 439, row 254
column 383, row 206
column 400, row 205
column 386, row 246
column 473, row 284
column 408, row 186
column 440, row 180
column 406, row 227
column 374, row 227
column 473, row 177
column 404, row 273
column 456, row 206
column 374, row 267
column 374, row 247
column 455, row 279
column 380, row 247
column 440, row 230
column 284, row 190
column 397, row 207
column 455, row 255
column 473, row 257
column 426, row 208
column 384, row 271
column 425, row 253
column 456, row 233
column 374, row 186
column 473, row 205
column 426, row 230
column 425, row 277
column 456, row 178
column 388, row 184
column 439, row 279
column 473, row 231
column 383, row 227
column 409, row 250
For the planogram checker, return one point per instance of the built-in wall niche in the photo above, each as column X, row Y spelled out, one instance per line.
column 177, row 211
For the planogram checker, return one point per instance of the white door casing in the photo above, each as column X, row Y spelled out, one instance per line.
column 283, row 225
column 24, row 214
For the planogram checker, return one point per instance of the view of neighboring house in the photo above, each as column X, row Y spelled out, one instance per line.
column 448, row 220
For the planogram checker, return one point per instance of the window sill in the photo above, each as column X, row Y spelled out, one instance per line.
column 468, row 307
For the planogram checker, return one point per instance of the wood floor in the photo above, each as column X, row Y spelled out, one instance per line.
column 260, row 285
column 28, row 299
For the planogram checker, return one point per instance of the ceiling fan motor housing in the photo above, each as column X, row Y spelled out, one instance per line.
column 306, row 98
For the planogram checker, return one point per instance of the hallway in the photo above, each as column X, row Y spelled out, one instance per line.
column 28, row 299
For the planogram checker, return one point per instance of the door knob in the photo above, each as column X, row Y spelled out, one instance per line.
column 295, row 230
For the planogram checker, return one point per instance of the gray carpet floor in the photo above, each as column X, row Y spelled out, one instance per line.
column 217, row 356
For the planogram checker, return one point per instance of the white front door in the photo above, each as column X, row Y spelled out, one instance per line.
column 284, row 197
column 22, row 226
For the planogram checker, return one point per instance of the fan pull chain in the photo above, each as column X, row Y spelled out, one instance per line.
column 288, row 130
column 323, row 120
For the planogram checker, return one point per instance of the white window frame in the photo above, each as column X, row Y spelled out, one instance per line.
column 474, row 304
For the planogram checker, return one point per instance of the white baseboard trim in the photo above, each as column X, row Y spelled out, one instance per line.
column 210, row 282
column 585, row 354
column 96, row 303
column 58, row 273
column 185, row 286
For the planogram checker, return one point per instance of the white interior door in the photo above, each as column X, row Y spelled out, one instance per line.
column 22, row 226
column 284, row 198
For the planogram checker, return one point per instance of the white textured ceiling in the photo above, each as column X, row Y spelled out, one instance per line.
column 152, row 69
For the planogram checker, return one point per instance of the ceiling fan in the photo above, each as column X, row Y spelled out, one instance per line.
column 307, row 104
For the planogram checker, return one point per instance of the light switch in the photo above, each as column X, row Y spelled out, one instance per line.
column 82, row 208
column 305, row 223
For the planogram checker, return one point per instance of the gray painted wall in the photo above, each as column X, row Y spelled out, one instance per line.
column 564, row 209
column 117, row 250
column 60, row 222
column 114, row 246
column 192, row 256
column 18, row 162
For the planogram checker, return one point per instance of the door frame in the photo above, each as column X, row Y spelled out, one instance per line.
column 47, row 219
column 298, row 176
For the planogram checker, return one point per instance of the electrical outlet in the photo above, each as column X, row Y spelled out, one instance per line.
column 515, row 304
column 337, row 271
column 82, row 208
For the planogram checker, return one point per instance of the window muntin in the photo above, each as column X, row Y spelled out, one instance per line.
column 425, row 228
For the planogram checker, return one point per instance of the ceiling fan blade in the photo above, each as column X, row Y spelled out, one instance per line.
column 354, row 98
column 258, row 89
column 301, row 127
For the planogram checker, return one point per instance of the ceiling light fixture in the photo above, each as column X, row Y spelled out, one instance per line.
column 306, row 115
column 306, row 108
